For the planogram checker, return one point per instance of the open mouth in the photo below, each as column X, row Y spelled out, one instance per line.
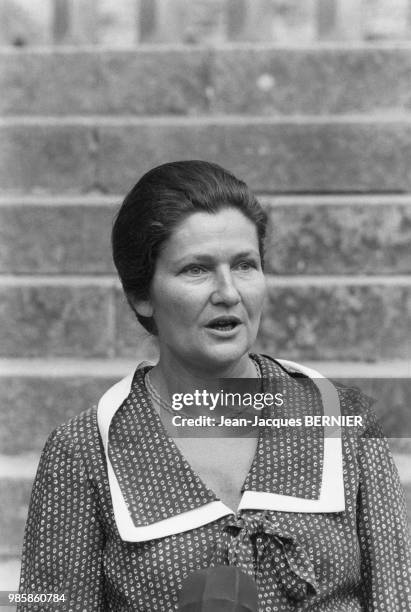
column 224, row 324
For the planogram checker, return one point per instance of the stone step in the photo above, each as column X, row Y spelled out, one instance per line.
column 333, row 318
column 306, row 317
column 41, row 404
column 9, row 578
column 290, row 154
column 312, row 235
column 243, row 78
column 17, row 492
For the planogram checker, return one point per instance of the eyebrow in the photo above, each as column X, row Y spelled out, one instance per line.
column 206, row 258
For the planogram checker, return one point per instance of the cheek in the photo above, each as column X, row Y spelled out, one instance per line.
column 182, row 304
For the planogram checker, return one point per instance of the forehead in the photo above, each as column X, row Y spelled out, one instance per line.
column 228, row 228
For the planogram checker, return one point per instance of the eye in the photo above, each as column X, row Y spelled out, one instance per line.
column 194, row 270
column 246, row 265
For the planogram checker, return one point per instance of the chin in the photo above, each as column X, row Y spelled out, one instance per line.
column 226, row 355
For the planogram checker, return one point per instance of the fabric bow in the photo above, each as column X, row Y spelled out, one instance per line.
column 247, row 541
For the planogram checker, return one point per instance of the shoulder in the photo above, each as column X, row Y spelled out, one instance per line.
column 77, row 428
column 77, row 440
column 353, row 401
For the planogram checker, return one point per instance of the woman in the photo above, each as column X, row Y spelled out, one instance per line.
column 124, row 508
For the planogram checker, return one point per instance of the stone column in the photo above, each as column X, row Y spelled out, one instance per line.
column 160, row 21
column 350, row 19
column 340, row 19
column 249, row 20
column 75, row 22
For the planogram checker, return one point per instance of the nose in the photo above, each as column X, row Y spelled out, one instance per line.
column 225, row 291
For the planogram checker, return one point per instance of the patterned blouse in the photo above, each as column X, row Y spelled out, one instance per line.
column 118, row 518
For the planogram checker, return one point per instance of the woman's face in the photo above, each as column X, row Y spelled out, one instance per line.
column 208, row 290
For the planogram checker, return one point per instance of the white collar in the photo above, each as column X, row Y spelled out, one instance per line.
column 331, row 497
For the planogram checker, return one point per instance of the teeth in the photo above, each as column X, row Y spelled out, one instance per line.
column 224, row 326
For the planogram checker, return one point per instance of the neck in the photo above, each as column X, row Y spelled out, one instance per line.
column 172, row 376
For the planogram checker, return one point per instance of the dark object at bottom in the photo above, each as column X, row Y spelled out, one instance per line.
column 219, row 589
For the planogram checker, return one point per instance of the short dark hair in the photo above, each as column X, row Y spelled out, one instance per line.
column 161, row 199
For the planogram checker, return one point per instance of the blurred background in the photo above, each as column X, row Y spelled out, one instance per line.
column 309, row 102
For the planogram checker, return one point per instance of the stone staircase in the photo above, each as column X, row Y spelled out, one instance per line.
column 322, row 134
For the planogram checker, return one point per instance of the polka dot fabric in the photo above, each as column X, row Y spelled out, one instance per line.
column 356, row 560
column 137, row 464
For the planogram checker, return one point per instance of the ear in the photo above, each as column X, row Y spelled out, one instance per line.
column 143, row 308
